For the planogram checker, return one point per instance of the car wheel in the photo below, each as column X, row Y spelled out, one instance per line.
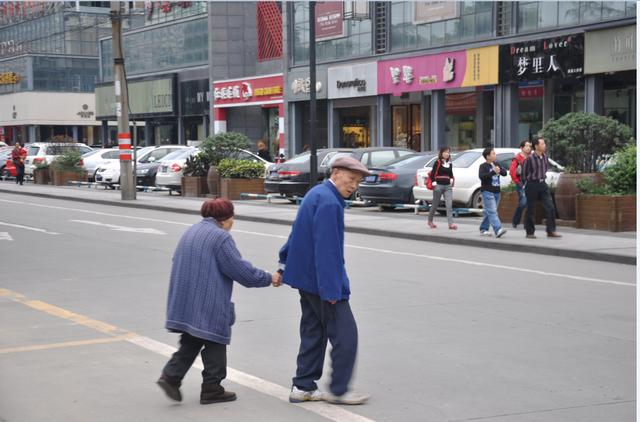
column 4, row 173
column 476, row 199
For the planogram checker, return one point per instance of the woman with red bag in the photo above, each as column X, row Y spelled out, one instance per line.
column 441, row 180
column 18, row 155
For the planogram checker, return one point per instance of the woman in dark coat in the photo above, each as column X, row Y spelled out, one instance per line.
column 205, row 264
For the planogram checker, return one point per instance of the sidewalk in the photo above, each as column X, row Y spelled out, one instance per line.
column 582, row 244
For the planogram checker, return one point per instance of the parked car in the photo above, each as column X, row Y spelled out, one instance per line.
column 149, row 163
column 170, row 168
column 291, row 179
column 46, row 152
column 466, row 164
column 7, row 168
column 393, row 183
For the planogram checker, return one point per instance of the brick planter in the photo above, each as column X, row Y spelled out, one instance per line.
column 41, row 176
column 606, row 212
column 509, row 203
column 61, row 178
column 194, row 186
column 232, row 188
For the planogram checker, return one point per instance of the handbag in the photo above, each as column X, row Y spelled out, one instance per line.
column 430, row 179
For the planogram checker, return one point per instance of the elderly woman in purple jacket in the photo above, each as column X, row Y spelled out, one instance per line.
column 205, row 264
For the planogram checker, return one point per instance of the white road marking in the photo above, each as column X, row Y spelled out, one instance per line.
column 19, row 226
column 385, row 251
column 120, row 228
column 6, row 236
column 326, row 410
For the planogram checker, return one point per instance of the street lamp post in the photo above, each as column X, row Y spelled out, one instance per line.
column 313, row 177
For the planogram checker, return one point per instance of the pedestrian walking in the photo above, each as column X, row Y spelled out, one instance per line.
column 536, row 189
column 205, row 263
column 489, row 174
column 312, row 261
column 442, row 175
column 515, row 171
column 263, row 152
column 18, row 155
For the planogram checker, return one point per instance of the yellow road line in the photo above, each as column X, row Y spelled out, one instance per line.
column 65, row 344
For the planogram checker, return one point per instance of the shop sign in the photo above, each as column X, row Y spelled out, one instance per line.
column 85, row 113
column 530, row 89
column 303, row 85
column 237, row 92
column 434, row 11
column 9, row 78
column 10, row 47
column 195, row 97
column 146, row 97
column 465, row 68
column 329, row 20
column 610, row 50
column 561, row 57
column 353, row 81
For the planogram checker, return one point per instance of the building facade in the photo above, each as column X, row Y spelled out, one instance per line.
column 426, row 74
column 49, row 69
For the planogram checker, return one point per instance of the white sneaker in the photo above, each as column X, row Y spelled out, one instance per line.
column 350, row 398
column 301, row 396
column 500, row 233
column 485, row 233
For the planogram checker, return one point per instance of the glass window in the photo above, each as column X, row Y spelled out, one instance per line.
column 613, row 9
column 452, row 31
column 111, row 155
column 590, row 11
column 379, row 158
column 527, row 16
column 548, row 14
column 466, row 159
column 437, row 33
column 365, row 158
column 33, row 151
column 302, row 158
column 569, row 12
column 504, row 160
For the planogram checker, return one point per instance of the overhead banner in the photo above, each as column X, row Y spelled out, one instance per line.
column 329, row 20
column 465, row 68
column 560, row 57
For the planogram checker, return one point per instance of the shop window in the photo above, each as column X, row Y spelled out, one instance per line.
column 460, row 121
column 530, row 106
column 620, row 97
column 405, row 120
column 355, row 128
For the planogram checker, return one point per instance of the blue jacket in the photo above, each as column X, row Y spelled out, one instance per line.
column 205, row 263
column 314, row 253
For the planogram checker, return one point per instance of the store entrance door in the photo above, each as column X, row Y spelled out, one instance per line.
column 355, row 127
column 406, row 126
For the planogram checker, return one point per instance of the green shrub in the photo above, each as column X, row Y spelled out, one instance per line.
column 196, row 166
column 588, row 187
column 240, row 169
column 69, row 162
column 620, row 176
column 511, row 187
column 579, row 140
column 224, row 145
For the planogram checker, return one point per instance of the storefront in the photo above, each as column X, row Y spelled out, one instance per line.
column 352, row 92
column 549, row 76
column 195, row 99
column 298, row 89
column 252, row 106
column 439, row 99
column 610, row 66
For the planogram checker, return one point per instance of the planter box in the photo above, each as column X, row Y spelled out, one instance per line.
column 606, row 212
column 232, row 188
column 194, row 186
column 567, row 191
column 61, row 178
column 509, row 203
column 41, row 176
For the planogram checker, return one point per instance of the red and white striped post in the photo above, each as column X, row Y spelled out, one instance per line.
column 124, row 144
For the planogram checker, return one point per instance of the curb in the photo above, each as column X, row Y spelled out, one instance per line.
column 541, row 250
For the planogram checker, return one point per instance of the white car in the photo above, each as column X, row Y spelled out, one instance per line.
column 102, row 157
column 171, row 168
column 46, row 152
column 466, row 165
column 109, row 172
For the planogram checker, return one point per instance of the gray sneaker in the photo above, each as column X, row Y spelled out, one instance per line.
column 485, row 233
column 301, row 396
column 500, row 233
column 349, row 398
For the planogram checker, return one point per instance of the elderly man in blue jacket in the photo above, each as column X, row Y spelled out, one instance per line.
column 312, row 261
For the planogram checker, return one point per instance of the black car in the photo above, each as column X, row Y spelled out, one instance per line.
column 148, row 164
column 291, row 178
column 393, row 183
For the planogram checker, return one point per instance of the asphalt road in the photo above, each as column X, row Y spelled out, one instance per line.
column 447, row 333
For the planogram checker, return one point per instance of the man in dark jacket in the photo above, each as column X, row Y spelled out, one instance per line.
column 489, row 175
column 313, row 262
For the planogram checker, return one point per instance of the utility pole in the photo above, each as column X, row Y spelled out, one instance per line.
column 313, row 177
column 127, row 184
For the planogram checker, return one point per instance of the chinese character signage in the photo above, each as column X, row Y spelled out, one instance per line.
column 9, row 78
column 329, row 22
column 465, row 68
column 610, row 50
column 253, row 91
column 561, row 57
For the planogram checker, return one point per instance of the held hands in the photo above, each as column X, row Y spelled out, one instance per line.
column 276, row 279
column 496, row 169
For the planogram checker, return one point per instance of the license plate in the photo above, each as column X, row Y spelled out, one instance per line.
column 371, row 179
column 164, row 169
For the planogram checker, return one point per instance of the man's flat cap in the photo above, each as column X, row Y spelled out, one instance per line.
column 351, row 164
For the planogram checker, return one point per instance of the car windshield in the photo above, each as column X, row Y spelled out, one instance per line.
column 33, row 151
column 465, row 159
column 179, row 154
column 302, row 158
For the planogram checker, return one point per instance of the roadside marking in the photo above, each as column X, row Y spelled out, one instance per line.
column 326, row 410
column 385, row 251
column 121, row 228
column 64, row 344
column 19, row 226
column 6, row 236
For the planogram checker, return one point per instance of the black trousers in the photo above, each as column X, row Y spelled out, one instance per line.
column 20, row 174
column 535, row 192
column 214, row 359
column 322, row 321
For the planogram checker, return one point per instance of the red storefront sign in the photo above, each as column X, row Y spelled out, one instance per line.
column 329, row 22
column 531, row 91
column 248, row 91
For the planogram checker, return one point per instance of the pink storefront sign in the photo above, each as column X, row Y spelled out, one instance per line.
column 439, row 71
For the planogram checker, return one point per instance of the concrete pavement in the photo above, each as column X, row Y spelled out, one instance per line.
column 583, row 244
column 447, row 333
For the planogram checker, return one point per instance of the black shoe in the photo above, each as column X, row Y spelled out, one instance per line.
column 215, row 393
column 171, row 388
column 515, row 226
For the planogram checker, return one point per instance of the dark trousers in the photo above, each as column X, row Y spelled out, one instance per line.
column 535, row 192
column 522, row 204
column 20, row 174
column 322, row 321
column 214, row 359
